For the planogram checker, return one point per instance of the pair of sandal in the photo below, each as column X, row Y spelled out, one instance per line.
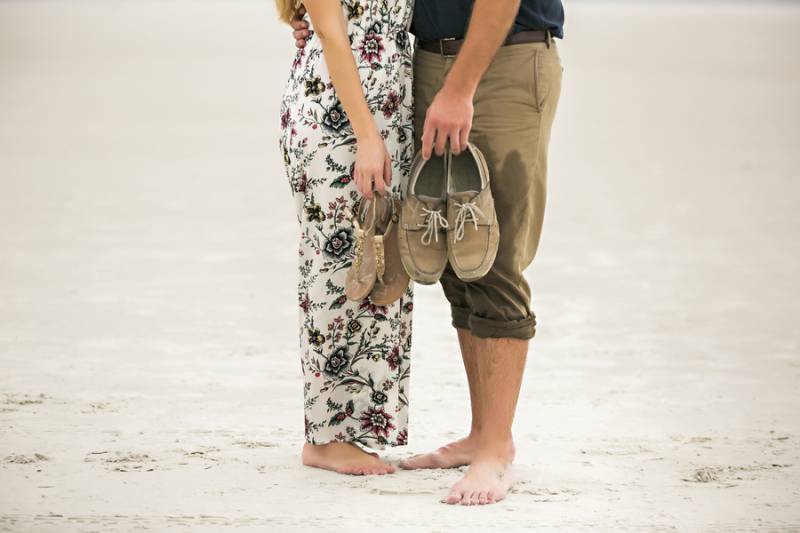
column 377, row 271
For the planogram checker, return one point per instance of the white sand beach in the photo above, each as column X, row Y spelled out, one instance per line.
column 149, row 375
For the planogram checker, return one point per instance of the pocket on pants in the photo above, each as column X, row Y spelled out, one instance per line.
column 545, row 75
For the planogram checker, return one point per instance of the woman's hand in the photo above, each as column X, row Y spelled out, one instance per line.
column 300, row 28
column 373, row 170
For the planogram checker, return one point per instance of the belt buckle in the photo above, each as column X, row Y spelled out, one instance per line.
column 441, row 46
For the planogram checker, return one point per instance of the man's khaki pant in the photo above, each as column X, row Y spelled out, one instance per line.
column 514, row 109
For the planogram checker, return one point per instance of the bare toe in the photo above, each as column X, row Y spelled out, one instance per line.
column 407, row 464
column 470, row 498
column 454, row 497
column 482, row 498
column 417, row 462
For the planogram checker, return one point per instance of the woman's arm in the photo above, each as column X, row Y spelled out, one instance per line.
column 373, row 163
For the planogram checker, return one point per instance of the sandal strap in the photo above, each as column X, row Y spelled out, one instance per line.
column 359, row 251
column 380, row 258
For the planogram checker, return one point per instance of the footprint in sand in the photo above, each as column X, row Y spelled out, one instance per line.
column 203, row 452
column 543, row 494
column 123, row 461
column 404, row 492
column 12, row 401
column 24, row 399
column 728, row 474
column 20, row 459
column 255, row 444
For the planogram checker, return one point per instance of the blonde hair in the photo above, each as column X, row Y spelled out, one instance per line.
column 286, row 9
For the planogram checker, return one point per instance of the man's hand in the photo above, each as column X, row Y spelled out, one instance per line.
column 449, row 118
column 300, row 28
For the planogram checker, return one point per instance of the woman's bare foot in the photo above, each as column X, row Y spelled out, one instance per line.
column 344, row 458
column 487, row 480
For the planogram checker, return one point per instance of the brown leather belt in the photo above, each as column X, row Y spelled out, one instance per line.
column 450, row 47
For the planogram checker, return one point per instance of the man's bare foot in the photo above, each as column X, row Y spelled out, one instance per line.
column 488, row 480
column 344, row 458
column 457, row 453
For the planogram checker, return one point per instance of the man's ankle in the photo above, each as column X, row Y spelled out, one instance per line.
column 500, row 445
column 475, row 434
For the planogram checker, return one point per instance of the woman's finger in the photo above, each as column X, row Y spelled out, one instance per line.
column 378, row 184
column 364, row 182
column 357, row 178
column 387, row 170
column 298, row 24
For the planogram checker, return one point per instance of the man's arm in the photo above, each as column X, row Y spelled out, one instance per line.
column 450, row 114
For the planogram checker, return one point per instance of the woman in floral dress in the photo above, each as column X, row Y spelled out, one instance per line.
column 346, row 123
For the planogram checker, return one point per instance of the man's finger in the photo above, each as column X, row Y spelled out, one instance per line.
column 464, row 137
column 455, row 143
column 441, row 141
column 300, row 34
column 428, row 134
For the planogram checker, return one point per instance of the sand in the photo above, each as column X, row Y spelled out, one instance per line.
column 149, row 378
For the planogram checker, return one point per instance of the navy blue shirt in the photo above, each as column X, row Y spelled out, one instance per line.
column 443, row 19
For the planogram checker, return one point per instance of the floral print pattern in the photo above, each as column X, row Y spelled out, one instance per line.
column 354, row 355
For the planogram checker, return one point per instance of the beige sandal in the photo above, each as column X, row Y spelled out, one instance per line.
column 392, row 279
column 362, row 273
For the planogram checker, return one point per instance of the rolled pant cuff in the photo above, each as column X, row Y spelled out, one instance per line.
column 460, row 317
column 523, row 329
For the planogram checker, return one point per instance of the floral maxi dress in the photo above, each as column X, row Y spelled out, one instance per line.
column 354, row 355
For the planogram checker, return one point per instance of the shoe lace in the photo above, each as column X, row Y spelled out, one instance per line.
column 467, row 212
column 434, row 223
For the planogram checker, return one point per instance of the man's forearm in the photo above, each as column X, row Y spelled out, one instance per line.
column 489, row 25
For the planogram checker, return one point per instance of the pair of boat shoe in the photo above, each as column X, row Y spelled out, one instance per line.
column 448, row 215
column 377, row 271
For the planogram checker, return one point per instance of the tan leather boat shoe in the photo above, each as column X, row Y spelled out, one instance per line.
column 472, row 230
column 423, row 225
